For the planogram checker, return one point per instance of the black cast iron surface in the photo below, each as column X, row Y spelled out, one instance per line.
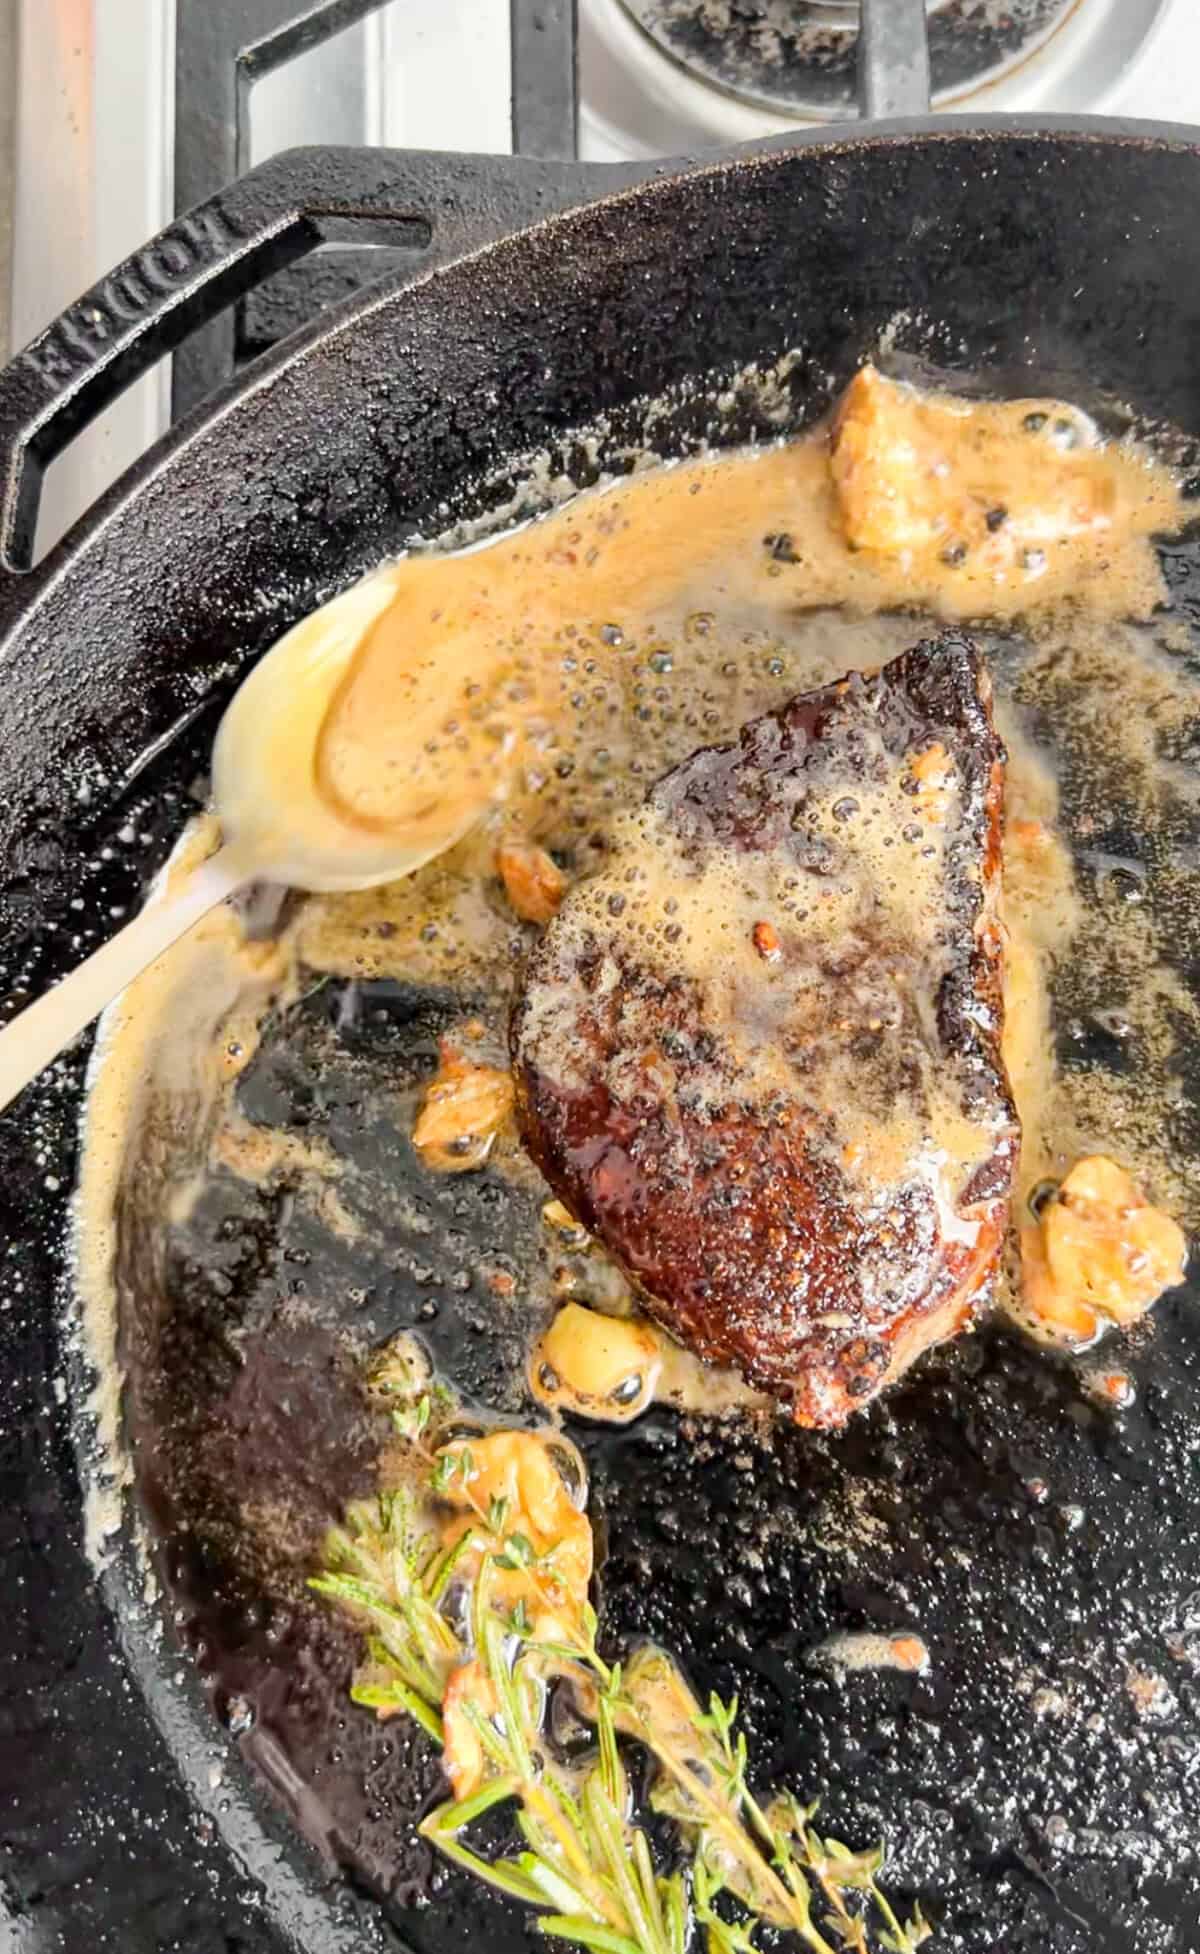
column 1070, row 261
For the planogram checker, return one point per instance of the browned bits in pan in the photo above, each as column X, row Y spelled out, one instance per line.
column 533, row 881
column 464, row 1108
column 766, row 942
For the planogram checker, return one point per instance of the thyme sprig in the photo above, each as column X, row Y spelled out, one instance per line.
column 585, row 1865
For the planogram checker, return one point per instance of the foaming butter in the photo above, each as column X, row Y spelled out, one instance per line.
column 582, row 656
column 455, row 675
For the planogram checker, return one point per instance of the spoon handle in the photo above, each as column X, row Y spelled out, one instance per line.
column 39, row 1033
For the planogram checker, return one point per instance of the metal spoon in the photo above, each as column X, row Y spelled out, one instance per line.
column 275, row 826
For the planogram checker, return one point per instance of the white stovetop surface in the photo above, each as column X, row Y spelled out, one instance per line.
column 94, row 131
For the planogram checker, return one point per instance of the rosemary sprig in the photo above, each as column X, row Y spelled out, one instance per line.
column 585, row 1866
column 770, row 1859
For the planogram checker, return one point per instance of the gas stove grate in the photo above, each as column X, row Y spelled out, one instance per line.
column 222, row 49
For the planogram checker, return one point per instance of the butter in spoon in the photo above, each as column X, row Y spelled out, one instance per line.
column 277, row 761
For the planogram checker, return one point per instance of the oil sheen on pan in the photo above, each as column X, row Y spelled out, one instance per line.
column 364, row 1342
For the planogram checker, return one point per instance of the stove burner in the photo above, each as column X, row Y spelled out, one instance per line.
column 799, row 55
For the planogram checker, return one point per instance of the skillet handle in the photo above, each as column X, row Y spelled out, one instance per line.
column 438, row 205
column 893, row 59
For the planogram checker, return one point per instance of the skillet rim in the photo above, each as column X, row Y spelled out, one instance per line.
column 23, row 592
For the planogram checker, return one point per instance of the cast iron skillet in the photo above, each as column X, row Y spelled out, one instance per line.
column 1064, row 258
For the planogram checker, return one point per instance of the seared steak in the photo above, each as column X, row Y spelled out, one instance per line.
column 758, row 1055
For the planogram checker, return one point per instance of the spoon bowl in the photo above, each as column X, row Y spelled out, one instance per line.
column 277, row 825
column 265, row 773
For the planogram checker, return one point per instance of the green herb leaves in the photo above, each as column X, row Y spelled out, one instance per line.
column 447, row 1643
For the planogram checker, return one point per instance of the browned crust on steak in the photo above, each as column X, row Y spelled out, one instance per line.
column 804, row 1162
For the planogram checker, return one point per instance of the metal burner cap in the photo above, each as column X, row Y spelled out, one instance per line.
column 798, row 56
